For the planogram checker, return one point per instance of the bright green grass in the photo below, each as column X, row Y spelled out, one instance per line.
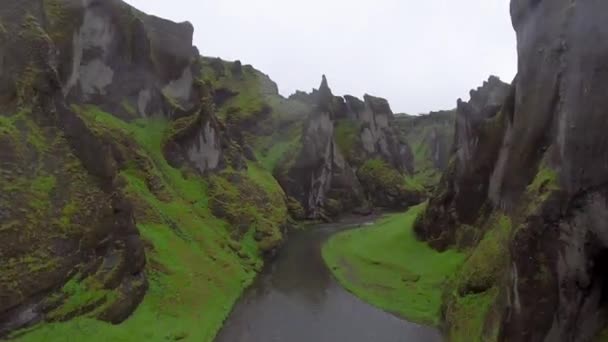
column 194, row 278
column 264, row 179
column 386, row 266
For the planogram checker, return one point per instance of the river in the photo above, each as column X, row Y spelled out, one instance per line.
column 296, row 299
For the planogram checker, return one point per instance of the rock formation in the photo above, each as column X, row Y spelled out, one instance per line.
column 350, row 158
column 431, row 137
column 106, row 126
column 527, row 186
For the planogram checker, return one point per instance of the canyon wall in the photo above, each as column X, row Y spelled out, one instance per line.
column 526, row 186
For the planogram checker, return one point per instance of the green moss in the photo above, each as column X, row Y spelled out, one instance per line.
column 413, row 184
column 280, row 149
column 81, row 296
column 378, row 176
column 467, row 316
column 386, row 266
column 542, row 186
column 488, row 260
column 44, row 185
column 347, row 137
column 248, row 101
column 35, row 262
column 417, row 132
column 194, row 276
column 68, row 212
column 252, row 201
column 7, row 126
column 60, row 27
column 295, row 209
column 263, row 178
column 545, row 180
column 474, row 288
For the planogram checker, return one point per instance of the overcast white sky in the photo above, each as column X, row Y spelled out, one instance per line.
column 419, row 54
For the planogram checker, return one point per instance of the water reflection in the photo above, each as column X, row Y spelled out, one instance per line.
column 296, row 299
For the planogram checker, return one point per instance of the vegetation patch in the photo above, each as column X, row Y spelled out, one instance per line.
column 466, row 316
column 196, row 270
column 475, row 287
column 278, row 149
column 347, row 138
column 386, row 266
column 250, row 202
column 386, row 186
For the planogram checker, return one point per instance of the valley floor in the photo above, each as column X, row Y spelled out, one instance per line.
column 386, row 266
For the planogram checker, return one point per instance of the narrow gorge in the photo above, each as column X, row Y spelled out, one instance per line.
column 149, row 192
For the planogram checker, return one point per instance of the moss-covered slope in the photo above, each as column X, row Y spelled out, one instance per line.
column 123, row 189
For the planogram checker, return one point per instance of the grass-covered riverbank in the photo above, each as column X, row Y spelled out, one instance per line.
column 386, row 266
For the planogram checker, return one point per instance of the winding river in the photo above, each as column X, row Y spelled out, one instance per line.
column 296, row 299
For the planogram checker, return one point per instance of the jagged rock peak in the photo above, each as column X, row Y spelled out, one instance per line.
column 324, row 84
column 325, row 96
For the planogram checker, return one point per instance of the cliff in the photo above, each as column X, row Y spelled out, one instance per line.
column 349, row 159
column 431, row 137
column 526, row 187
column 119, row 177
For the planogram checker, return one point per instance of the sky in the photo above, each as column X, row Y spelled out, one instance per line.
column 420, row 55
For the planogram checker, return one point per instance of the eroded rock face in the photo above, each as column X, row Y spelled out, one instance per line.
column 339, row 137
column 430, row 138
column 319, row 170
column 64, row 216
column 464, row 187
column 378, row 138
column 67, row 217
column 539, row 162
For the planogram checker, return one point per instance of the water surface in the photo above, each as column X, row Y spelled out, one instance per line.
column 296, row 299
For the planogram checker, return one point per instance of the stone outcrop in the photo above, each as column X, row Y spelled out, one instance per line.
column 539, row 162
column 377, row 138
column 464, row 188
column 349, row 159
column 318, row 176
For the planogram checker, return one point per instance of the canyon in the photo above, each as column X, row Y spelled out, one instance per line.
column 145, row 186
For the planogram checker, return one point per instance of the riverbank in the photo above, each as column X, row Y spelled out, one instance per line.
column 295, row 298
column 386, row 266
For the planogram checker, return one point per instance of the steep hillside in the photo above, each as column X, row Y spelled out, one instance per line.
column 140, row 180
column 430, row 137
column 107, row 126
column 526, row 187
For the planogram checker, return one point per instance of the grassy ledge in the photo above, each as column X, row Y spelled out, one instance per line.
column 386, row 266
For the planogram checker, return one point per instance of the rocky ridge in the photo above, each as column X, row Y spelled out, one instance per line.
column 526, row 188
